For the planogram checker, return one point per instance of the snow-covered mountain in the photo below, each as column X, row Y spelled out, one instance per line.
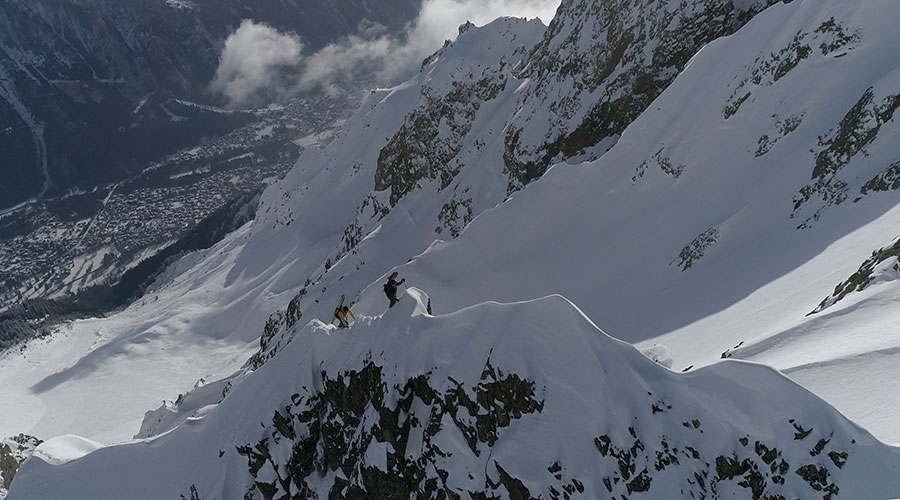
column 526, row 400
column 724, row 214
column 115, row 135
column 599, row 67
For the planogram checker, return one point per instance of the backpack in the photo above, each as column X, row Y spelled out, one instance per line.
column 388, row 289
column 337, row 312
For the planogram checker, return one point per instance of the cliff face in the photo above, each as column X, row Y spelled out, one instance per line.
column 14, row 451
column 599, row 66
column 566, row 97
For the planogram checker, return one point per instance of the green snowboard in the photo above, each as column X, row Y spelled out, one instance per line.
column 340, row 304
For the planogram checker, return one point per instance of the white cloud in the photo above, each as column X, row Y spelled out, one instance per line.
column 253, row 63
column 439, row 20
column 254, row 59
column 391, row 59
column 352, row 57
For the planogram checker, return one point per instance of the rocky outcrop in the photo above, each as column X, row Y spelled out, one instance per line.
column 361, row 437
column 690, row 254
column 883, row 265
column 427, row 145
column 829, row 38
column 277, row 332
column 858, row 129
column 331, row 434
column 599, row 66
column 14, row 451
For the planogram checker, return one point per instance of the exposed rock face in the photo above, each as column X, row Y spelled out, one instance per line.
column 694, row 252
column 428, row 144
column 883, row 265
column 367, row 440
column 599, row 66
column 830, row 37
column 14, row 451
column 465, row 95
column 363, row 447
column 277, row 332
column 332, row 433
column 374, row 430
column 858, row 129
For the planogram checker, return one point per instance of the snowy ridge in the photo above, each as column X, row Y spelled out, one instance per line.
column 538, row 402
column 686, row 238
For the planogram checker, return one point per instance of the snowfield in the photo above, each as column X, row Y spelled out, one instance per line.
column 96, row 378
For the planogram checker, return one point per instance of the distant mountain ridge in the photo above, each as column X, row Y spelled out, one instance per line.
column 84, row 84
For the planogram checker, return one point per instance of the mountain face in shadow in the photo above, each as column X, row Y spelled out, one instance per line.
column 89, row 90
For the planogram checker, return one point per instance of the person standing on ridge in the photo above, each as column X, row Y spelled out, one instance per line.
column 390, row 288
column 343, row 320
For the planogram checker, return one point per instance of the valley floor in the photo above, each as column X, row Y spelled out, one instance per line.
column 96, row 378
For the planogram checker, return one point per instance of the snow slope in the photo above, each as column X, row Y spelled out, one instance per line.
column 691, row 232
column 723, row 215
column 97, row 377
column 399, row 405
column 207, row 320
column 686, row 233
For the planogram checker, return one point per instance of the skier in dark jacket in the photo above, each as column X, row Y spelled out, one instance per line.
column 343, row 315
column 390, row 288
